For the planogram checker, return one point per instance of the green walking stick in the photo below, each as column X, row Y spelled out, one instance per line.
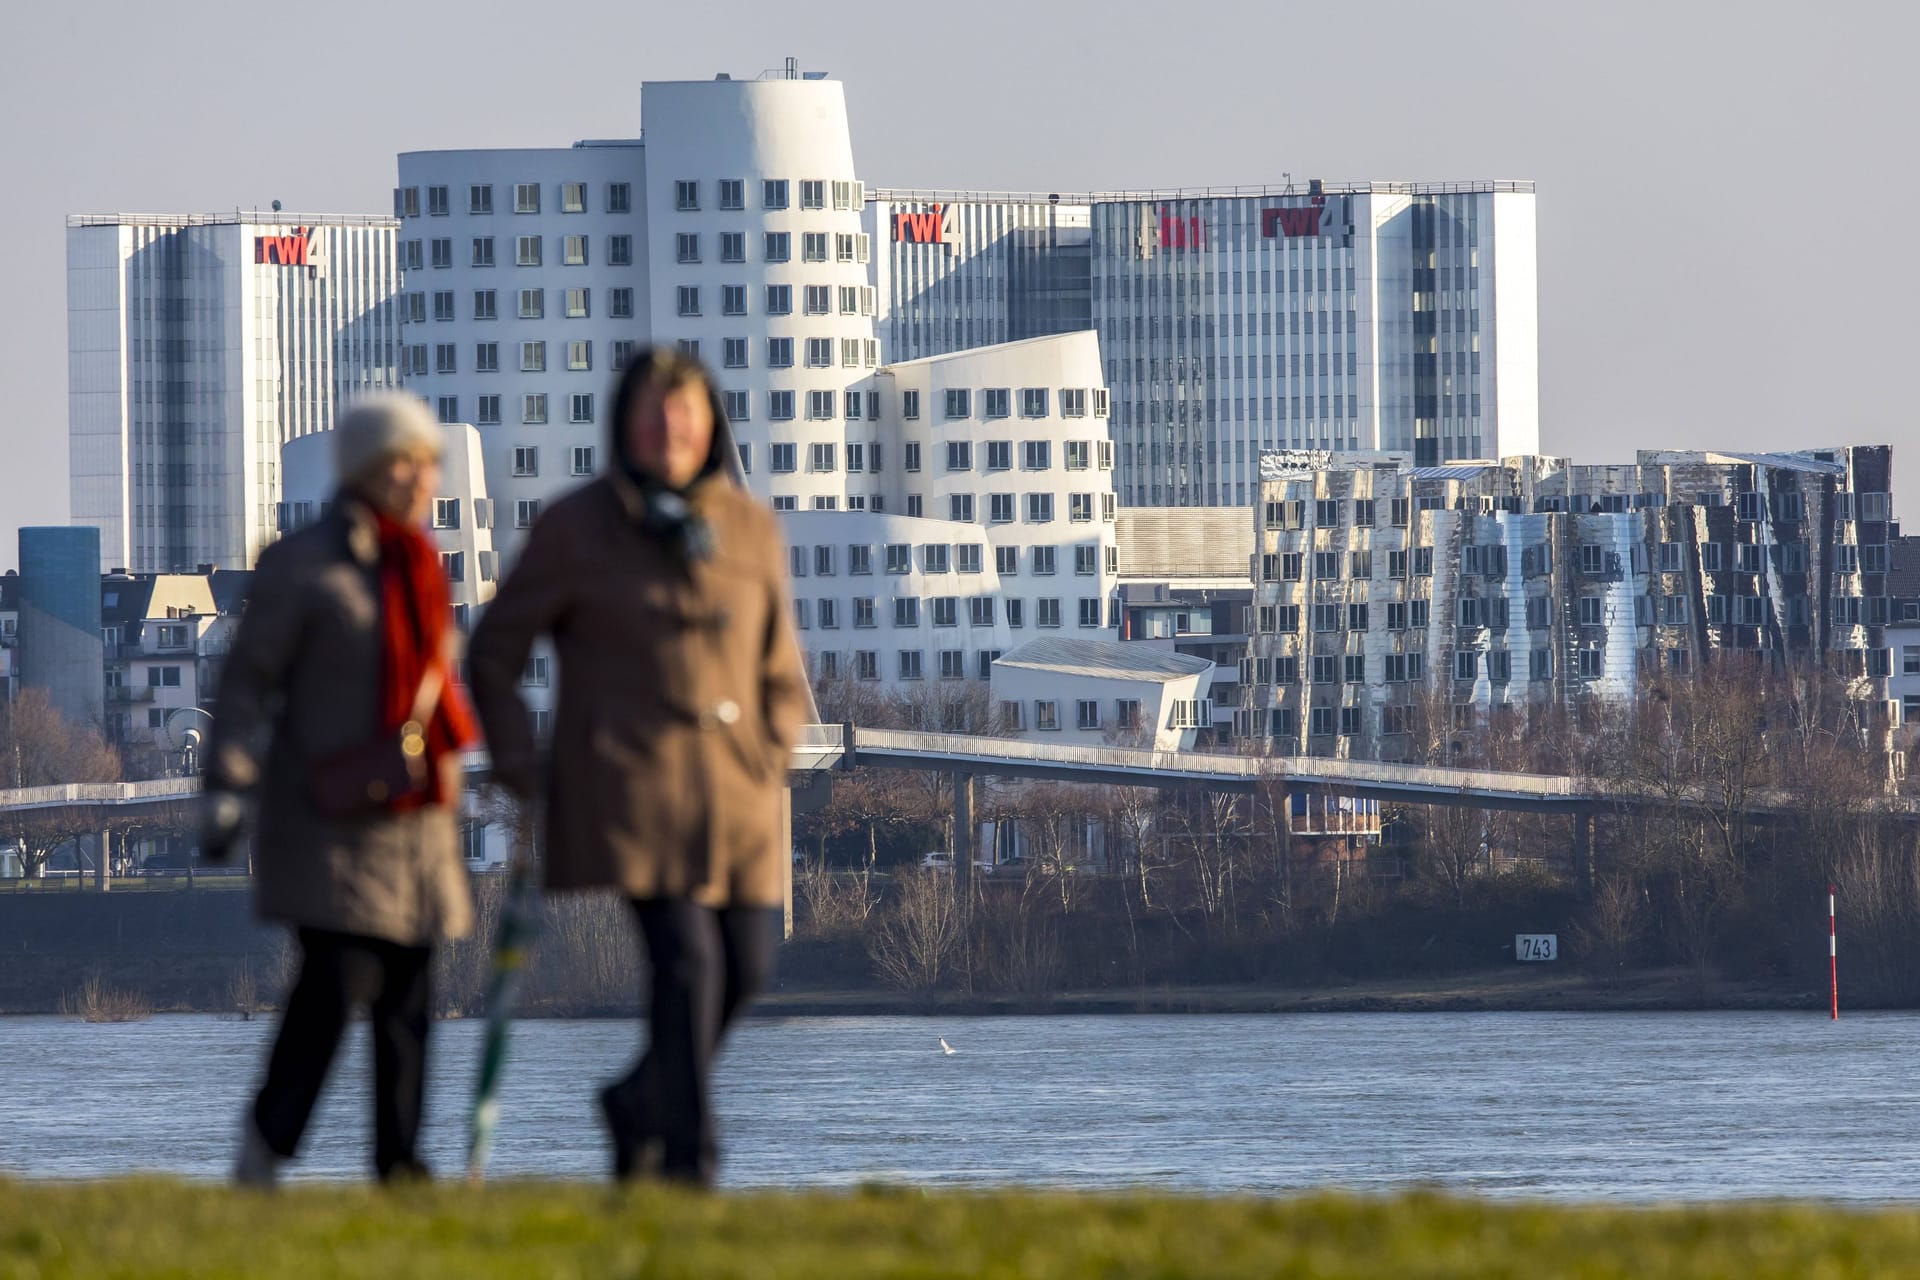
column 519, row 926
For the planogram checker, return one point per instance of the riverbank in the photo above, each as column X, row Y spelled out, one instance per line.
column 139, row 1228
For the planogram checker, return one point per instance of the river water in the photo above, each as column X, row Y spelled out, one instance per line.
column 1575, row 1106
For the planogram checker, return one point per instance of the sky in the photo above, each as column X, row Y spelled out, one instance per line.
column 1724, row 190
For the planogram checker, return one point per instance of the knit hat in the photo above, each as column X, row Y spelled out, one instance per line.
column 380, row 426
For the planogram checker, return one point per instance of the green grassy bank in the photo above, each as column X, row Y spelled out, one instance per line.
column 157, row 1228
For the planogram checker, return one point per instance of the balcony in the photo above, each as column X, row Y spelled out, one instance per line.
column 129, row 693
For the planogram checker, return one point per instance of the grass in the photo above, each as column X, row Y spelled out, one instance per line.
column 162, row 1228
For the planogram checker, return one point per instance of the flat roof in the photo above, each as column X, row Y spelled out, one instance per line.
column 1489, row 186
column 239, row 217
column 1106, row 658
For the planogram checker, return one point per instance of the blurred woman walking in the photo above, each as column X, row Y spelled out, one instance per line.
column 662, row 585
column 338, row 717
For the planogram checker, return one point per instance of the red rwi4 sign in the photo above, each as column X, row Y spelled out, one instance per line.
column 1301, row 220
column 285, row 251
column 935, row 226
column 1181, row 233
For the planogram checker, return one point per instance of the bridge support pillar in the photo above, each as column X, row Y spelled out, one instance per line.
column 1583, row 851
column 963, row 845
column 786, row 862
column 103, row 861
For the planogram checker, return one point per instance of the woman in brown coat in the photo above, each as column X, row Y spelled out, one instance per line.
column 662, row 586
column 337, row 715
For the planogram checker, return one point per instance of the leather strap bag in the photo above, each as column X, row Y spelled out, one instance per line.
column 366, row 780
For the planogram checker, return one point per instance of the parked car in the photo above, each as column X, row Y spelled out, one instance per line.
column 943, row 861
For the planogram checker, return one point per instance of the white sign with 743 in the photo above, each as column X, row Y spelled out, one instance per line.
column 1536, row 946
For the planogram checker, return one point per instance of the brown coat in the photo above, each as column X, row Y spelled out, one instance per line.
column 681, row 694
column 303, row 684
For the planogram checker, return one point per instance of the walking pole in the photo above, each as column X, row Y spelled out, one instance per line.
column 518, row 928
column 1833, row 957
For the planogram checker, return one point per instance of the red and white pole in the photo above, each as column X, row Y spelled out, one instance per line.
column 1833, row 957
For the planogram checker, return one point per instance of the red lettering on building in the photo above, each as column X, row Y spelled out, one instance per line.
column 1181, row 233
column 283, row 251
column 921, row 228
column 1300, row 220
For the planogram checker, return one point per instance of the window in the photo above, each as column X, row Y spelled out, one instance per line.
column 686, row 195
column 813, row 246
column 819, row 299
column 1073, row 403
column 733, row 353
column 999, row 455
column 866, row 663
column 583, row 460
column 959, row 455
column 619, row 197
column 1076, row 454
column 910, row 660
column 526, row 251
column 526, row 461
column 686, row 247
column 819, row 353
column 1036, row 455
column 480, row 200
column 482, row 251
column 1080, row 506
column 781, row 457
column 487, row 411
column 1086, row 560
column 579, row 355
column 1089, row 611
column 533, row 357
column 573, row 197
column 443, row 253
column 484, row 304
column 1587, row 663
column 444, row 357
column 899, row 558
column 780, row 353
column 689, row 300
column 486, row 357
column 946, row 611
column 773, row 193
column 533, row 304
column 1000, row 509
column 910, row 404
column 619, row 251
column 579, row 304
column 1363, row 513
column 906, row 611
column 910, row 456
column 1039, row 508
column 778, row 246
column 580, row 407
column 1033, row 402
column 996, row 403
column 1047, row 612
column 446, row 513
column 525, row 512
column 779, row 300
column 959, row 403
column 735, row 405
column 1043, row 559
column 537, row 673
column 1046, row 714
column 822, row 456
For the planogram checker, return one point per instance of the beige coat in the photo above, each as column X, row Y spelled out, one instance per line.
column 681, row 694
column 303, row 684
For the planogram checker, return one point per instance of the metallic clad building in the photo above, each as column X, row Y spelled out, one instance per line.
column 59, row 629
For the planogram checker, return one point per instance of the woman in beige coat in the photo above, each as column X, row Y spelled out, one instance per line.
column 337, row 715
column 662, row 587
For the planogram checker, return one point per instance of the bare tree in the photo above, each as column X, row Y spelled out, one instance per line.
column 917, row 940
column 39, row 747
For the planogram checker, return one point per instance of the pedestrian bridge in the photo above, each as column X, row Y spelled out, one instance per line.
column 829, row 747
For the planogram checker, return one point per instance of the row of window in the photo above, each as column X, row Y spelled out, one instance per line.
column 528, row 251
column 617, row 197
column 535, row 409
column 775, row 193
column 532, row 356
column 777, row 246
column 997, row 402
column 823, row 560
column 1494, row 612
column 816, row 300
column 1126, row 714
column 944, row 611
column 1748, row 506
column 531, row 304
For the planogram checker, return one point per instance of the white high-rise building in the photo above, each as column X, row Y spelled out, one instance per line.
column 1349, row 318
column 197, row 347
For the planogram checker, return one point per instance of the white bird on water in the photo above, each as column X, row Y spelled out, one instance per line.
column 947, row 1048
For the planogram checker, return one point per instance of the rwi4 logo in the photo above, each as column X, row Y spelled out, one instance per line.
column 1181, row 233
column 1298, row 220
column 937, row 224
column 301, row 249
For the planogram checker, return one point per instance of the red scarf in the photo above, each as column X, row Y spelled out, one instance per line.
column 415, row 610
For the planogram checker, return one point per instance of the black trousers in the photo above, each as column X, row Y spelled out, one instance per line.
column 339, row 972
column 704, row 966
